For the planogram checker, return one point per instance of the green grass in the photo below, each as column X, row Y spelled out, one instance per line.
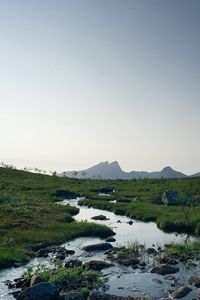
column 168, row 218
column 29, row 213
column 190, row 249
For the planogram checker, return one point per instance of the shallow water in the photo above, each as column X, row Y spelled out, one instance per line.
column 121, row 280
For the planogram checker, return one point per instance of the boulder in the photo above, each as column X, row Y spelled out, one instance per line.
column 128, row 261
column 97, row 265
column 168, row 260
column 130, row 222
column 194, row 280
column 44, row 291
column 98, row 247
column 65, row 194
column 151, row 251
column 165, row 269
column 110, row 240
column 180, row 292
column 100, row 217
column 38, row 246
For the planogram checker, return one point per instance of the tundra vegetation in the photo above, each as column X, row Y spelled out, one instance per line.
column 29, row 212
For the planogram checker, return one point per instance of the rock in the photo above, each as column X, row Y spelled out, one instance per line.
column 72, row 263
column 165, row 269
column 103, row 296
column 100, row 217
column 65, row 194
column 44, row 291
column 151, row 251
column 105, row 190
column 37, row 247
column 194, row 280
column 69, row 252
column 110, row 240
column 130, row 222
column 97, row 265
column 19, row 283
column 35, row 280
column 95, row 247
column 180, row 292
column 128, row 261
column 74, row 296
column 15, row 294
column 157, row 280
column 168, row 260
column 60, row 251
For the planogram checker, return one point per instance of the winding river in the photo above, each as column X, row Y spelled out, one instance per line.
column 121, row 280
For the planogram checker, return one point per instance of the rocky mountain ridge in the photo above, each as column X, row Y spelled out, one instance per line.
column 106, row 170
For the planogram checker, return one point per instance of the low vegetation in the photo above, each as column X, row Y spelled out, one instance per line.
column 73, row 278
column 29, row 213
column 184, row 250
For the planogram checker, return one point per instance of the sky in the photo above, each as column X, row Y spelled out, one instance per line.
column 86, row 81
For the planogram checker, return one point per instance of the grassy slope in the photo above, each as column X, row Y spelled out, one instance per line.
column 29, row 214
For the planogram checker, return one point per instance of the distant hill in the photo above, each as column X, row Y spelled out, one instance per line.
column 106, row 170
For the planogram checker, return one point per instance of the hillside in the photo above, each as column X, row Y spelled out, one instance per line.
column 29, row 214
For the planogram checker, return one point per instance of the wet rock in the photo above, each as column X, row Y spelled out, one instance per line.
column 151, row 251
column 165, row 269
column 72, row 263
column 35, row 280
column 128, row 261
column 104, row 190
column 20, row 283
column 99, row 247
column 180, row 292
column 15, row 294
column 97, row 265
column 103, row 296
column 60, row 251
column 9, row 284
column 37, row 247
column 194, row 280
column 168, row 260
column 110, row 240
column 130, row 222
column 65, row 194
column 74, row 296
column 157, row 280
column 100, row 217
column 44, row 291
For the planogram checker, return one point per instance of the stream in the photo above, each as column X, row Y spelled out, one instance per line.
column 122, row 280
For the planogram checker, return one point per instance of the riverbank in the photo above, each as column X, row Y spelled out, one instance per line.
column 168, row 218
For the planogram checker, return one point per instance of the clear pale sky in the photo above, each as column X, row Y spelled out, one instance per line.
column 85, row 81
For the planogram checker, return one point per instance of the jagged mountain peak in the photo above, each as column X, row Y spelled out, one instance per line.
column 106, row 170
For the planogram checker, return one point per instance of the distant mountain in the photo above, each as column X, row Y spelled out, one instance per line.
column 196, row 175
column 106, row 170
